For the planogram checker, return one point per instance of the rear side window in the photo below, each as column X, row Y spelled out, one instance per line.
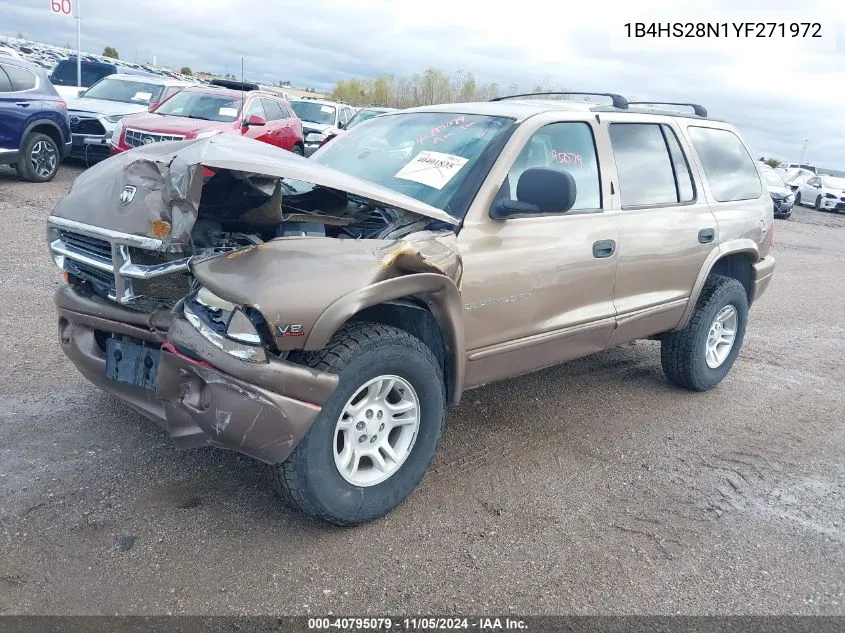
column 646, row 174
column 21, row 78
column 5, row 83
column 274, row 110
column 729, row 168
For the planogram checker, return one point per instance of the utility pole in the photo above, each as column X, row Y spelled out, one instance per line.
column 803, row 147
column 78, row 45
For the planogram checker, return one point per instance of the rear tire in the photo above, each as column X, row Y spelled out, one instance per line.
column 311, row 479
column 687, row 355
column 298, row 150
column 40, row 158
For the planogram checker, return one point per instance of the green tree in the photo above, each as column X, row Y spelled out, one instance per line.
column 186, row 70
column 773, row 163
column 108, row 51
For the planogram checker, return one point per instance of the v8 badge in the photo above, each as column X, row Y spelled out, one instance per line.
column 290, row 329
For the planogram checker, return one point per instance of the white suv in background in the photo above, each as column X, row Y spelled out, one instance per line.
column 321, row 119
column 824, row 193
column 96, row 113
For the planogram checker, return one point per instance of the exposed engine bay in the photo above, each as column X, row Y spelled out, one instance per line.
column 238, row 209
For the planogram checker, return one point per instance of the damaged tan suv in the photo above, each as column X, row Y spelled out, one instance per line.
column 320, row 314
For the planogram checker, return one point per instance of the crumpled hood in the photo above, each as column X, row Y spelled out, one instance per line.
column 101, row 106
column 168, row 181
column 277, row 276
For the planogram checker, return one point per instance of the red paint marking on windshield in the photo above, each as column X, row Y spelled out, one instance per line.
column 436, row 133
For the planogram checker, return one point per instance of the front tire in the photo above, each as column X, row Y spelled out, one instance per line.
column 798, row 199
column 40, row 158
column 392, row 394
column 700, row 356
column 818, row 205
column 298, row 150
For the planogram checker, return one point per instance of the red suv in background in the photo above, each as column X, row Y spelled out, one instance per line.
column 203, row 111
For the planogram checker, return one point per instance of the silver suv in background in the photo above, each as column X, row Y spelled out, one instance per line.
column 321, row 119
column 96, row 113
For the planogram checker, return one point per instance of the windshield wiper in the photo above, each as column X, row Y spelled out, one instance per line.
column 201, row 118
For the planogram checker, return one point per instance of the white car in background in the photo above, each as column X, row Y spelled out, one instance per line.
column 321, row 119
column 824, row 193
column 96, row 113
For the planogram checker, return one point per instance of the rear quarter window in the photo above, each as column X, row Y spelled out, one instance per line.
column 728, row 166
column 21, row 78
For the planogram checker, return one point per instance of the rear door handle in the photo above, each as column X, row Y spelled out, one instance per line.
column 604, row 248
column 23, row 104
column 705, row 236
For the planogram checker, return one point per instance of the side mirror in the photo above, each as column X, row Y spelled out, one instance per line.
column 539, row 190
column 254, row 119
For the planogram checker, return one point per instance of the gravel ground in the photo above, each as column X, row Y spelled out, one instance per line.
column 590, row 488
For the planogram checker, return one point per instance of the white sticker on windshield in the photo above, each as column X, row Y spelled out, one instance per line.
column 434, row 169
column 228, row 112
column 142, row 96
column 326, row 109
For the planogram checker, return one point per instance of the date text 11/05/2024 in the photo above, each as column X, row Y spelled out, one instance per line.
column 723, row 29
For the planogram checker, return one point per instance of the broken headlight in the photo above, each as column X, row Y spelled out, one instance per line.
column 225, row 325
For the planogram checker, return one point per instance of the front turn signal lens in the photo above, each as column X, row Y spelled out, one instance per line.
column 159, row 229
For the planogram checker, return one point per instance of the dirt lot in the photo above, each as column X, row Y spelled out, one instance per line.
column 594, row 487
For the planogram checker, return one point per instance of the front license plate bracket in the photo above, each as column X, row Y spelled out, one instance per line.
column 132, row 364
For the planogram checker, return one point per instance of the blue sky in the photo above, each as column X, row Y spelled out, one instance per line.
column 779, row 91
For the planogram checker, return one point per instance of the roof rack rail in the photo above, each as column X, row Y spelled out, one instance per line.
column 618, row 100
column 698, row 109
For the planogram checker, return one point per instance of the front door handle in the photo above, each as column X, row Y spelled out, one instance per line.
column 604, row 248
column 705, row 236
column 23, row 104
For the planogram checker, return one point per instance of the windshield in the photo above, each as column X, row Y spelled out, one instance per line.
column 314, row 112
column 833, row 183
column 202, row 105
column 124, row 91
column 425, row 155
column 64, row 74
column 773, row 178
column 362, row 115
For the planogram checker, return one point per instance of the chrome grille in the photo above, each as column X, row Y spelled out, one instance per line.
column 132, row 270
column 87, row 245
column 136, row 138
column 100, row 279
